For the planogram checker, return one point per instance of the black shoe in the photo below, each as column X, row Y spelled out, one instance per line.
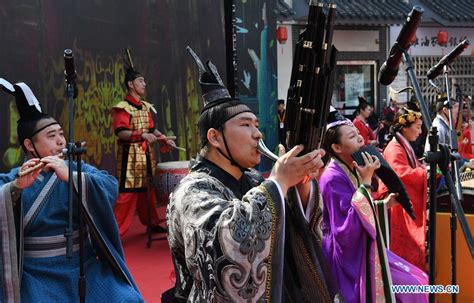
column 157, row 229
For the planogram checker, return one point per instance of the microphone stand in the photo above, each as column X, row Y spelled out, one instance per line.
column 74, row 151
column 442, row 158
column 455, row 173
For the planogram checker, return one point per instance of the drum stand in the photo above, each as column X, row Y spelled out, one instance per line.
column 443, row 157
column 151, row 205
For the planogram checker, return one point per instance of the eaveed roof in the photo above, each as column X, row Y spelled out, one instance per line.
column 459, row 13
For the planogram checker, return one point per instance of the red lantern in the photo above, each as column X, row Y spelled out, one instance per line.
column 282, row 34
column 442, row 38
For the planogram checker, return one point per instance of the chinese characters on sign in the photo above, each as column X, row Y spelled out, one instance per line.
column 432, row 41
column 427, row 42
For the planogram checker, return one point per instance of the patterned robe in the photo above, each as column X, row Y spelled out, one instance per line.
column 361, row 265
column 33, row 261
column 228, row 243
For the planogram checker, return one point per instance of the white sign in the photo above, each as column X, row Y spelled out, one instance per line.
column 427, row 40
column 354, row 87
column 356, row 41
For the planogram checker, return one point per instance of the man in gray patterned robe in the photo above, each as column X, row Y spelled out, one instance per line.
column 232, row 235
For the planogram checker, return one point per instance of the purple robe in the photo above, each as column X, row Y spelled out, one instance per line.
column 358, row 259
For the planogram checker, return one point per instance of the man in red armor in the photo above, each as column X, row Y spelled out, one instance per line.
column 134, row 127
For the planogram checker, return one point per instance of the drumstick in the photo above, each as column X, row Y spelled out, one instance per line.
column 172, row 138
column 34, row 168
column 168, row 138
column 179, row 148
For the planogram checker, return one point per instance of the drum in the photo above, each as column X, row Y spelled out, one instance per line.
column 168, row 176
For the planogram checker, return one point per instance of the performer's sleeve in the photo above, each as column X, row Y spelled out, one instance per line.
column 310, row 206
column 410, row 176
column 247, row 236
column 120, row 120
column 152, row 124
column 10, row 259
column 99, row 193
column 350, row 214
column 102, row 180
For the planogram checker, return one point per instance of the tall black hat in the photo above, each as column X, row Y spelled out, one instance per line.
column 29, row 109
column 219, row 106
column 130, row 72
column 362, row 100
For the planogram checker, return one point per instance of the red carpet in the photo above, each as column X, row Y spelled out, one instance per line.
column 151, row 267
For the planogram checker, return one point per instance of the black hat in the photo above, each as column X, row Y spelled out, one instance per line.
column 335, row 118
column 130, row 72
column 362, row 99
column 130, row 75
column 441, row 101
column 219, row 106
column 363, row 103
column 29, row 109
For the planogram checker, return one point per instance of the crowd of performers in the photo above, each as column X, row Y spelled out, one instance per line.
column 313, row 231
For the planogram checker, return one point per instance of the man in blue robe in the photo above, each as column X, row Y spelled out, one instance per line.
column 34, row 215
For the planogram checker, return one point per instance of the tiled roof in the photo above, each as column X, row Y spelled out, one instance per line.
column 453, row 11
column 284, row 9
column 458, row 13
column 364, row 11
column 371, row 9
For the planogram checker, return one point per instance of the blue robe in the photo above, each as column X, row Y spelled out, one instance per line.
column 38, row 274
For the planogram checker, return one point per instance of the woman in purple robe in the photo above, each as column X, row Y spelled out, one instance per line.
column 362, row 268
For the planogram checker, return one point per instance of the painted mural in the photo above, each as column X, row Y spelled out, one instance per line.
column 35, row 34
column 256, row 62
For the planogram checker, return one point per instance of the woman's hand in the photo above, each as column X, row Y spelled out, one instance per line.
column 391, row 200
column 367, row 171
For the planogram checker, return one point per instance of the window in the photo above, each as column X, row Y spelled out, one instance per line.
column 353, row 79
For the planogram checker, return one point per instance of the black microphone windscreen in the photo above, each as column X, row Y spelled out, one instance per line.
column 69, row 69
column 389, row 70
column 436, row 70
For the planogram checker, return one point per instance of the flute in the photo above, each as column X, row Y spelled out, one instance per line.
column 168, row 138
column 32, row 169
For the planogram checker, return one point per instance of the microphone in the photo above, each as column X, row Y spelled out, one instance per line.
column 436, row 70
column 389, row 69
column 69, row 70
